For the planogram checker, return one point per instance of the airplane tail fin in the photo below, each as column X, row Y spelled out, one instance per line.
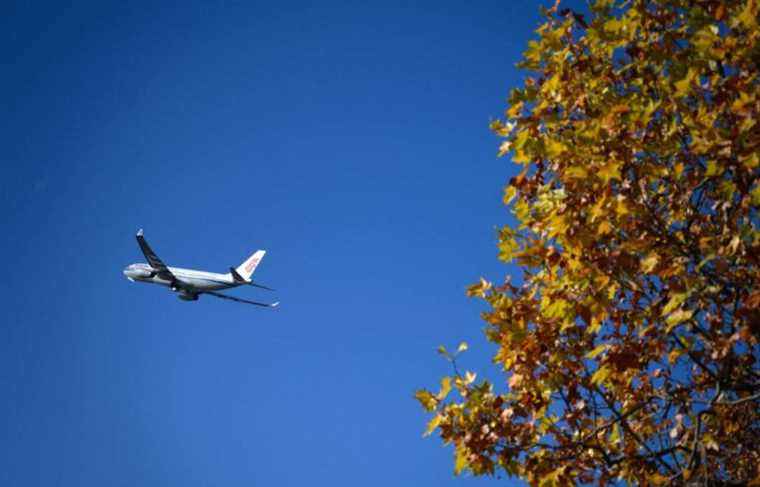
column 245, row 270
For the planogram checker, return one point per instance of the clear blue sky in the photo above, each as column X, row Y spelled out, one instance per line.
column 349, row 139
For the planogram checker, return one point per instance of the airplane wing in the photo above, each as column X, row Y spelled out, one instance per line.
column 239, row 300
column 157, row 264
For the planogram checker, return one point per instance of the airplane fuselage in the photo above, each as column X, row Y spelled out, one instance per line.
column 189, row 284
column 188, row 281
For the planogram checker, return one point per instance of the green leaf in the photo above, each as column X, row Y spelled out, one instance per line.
column 755, row 194
column 712, row 169
column 615, row 434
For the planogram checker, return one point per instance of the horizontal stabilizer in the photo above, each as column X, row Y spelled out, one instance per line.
column 239, row 280
column 237, row 277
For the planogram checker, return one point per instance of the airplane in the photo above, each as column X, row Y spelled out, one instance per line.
column 190, row 284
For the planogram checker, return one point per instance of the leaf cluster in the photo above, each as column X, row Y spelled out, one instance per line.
column 631, row 347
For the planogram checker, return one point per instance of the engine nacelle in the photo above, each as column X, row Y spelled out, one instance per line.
column 187, row 297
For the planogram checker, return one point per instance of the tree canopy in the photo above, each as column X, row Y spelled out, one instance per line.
column 630, row 343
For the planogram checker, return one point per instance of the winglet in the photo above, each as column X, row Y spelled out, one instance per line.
column 140, row 232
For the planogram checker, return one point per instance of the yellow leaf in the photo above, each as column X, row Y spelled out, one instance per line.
column 460, row 460
column 515, row 110
column 552, row 478
column 612, row 290
column 712, row 169
column 751, row 161
column 621, row 208
column 733, row 246
column 609, row 171
column 428, row 401
column 520, row 157
column 552, row 84
column 479, row 289
column 555, row 308
column 596, row 325
column 615, row 434
column 659, row 479
column 462, row 347
column 676, row 299
column 445, row 388
column 650, row 262
column 507, row 248
column 677, row 318
column 509, row 194
column 600, row 375
column 515, row 380
column 554, row 148
column 521, row 139
column 704, row 39
column 505, row 147
column 596, row 351
column 674, row 354
column 576, row 172
column 522, row 210
column 710, row 442
column 683, row 86
column 433, row 424
column 613, row 26
column 604, row 228
column 755, row 193
column 598, row 209
column 744, row 99
column 748, row 16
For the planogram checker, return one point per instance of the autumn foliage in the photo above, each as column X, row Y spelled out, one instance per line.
column 630, row 345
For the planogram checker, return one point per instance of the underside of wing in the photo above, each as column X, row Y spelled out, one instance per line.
column 155, row 262
column 240, row 300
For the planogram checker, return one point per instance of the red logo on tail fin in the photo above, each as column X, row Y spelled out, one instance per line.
column 251, row 265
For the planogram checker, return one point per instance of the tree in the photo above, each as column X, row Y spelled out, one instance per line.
column 630, row 347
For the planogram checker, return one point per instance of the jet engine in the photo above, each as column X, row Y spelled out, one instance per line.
column 187, row 297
